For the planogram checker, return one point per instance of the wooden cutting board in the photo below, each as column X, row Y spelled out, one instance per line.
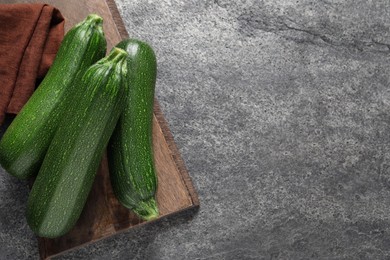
column 103, row 216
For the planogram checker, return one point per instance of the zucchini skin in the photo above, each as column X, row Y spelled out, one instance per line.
column 130, row 151
column 25, row 142
column 65, row 178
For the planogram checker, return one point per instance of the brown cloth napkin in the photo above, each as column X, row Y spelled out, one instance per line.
column 30, row 35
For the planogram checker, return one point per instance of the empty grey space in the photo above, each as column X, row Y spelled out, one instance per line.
column 281, row 111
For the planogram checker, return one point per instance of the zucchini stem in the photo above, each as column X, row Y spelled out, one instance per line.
column 94, row 18
column 114, row 56
column 147, row 210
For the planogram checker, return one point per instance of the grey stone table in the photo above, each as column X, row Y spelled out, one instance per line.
column 281, row 110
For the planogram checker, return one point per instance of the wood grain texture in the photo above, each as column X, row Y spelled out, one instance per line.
column 103, row 216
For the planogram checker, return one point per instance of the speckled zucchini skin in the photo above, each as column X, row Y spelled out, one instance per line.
column 65, row 179
column 130, row 151
column 24, row 144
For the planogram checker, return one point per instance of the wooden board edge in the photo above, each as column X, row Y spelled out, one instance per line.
column 116, row 16
column 159, row 115
column 42, row 248
column 175, row 153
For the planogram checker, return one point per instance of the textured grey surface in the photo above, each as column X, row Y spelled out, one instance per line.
column 281, row 110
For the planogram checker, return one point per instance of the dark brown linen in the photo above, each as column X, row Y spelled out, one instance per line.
column 30, row 35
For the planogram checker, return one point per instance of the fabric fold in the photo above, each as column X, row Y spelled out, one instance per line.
column 30, row 35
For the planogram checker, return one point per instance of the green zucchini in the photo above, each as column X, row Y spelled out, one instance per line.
column 24, row 144
column 130, row 151
column 65, row 178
